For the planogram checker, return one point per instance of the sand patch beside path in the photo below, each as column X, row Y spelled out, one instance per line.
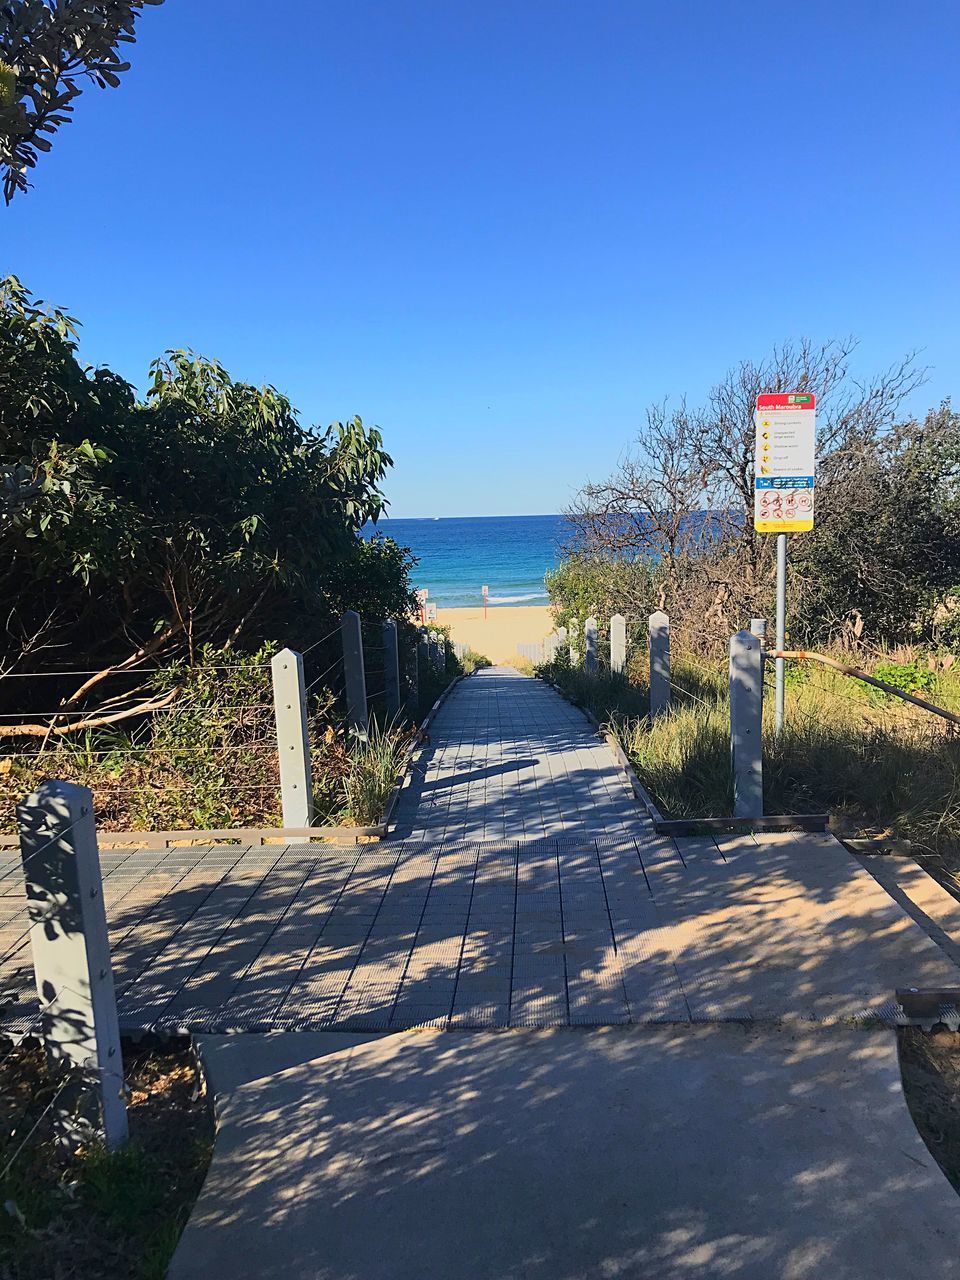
column 504, row 627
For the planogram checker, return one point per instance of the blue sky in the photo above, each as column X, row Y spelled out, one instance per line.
column 500, row 230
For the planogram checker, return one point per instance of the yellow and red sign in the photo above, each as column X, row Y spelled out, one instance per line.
column 785, row 462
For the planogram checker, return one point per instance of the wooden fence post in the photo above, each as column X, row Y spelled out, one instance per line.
column 590, row 646
column 658, row 629
column 550, row 647
column 354, row 675
column 746, row 717
column 71, row 959
column 391, row 668
column 618, row 643
column 574, row 650
column 293, row 738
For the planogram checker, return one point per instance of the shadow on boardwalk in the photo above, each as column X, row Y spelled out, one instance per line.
column 508, row 758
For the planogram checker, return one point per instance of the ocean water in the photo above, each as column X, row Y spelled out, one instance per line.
column 459, row 554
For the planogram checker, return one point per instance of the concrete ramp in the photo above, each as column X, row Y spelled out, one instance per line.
column 653, row 1152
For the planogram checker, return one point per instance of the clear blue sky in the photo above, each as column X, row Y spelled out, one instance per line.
column 500, row 229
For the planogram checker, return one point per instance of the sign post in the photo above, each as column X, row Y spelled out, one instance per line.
column 422, row 594
column 784, row 478
column 486, row 596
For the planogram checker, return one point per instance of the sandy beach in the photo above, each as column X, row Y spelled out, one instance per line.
column 498, row 635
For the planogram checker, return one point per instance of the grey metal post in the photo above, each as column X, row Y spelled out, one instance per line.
column 590, row 643
column 658, row 632
column 746, row 716
column 779, row 698
column 71, row 956
column 391, row 667
column 413, row 680
column 424, row 652
column 618, row 643
column 354, row 675
column 293, row 738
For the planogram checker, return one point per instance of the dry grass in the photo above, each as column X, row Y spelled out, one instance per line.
column 879, row 766
column 99, row 1215
column 930, row 1067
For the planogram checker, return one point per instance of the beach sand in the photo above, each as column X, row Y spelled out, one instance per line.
column 498, row 635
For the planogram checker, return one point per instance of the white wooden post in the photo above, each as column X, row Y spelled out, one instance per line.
column 746, row 717
column 354, row 674
column 550, row 647
column 293, row 738
column 391, row 668
column 590, row 646
column 658, row 628
column 618, row 643
column 71, row 957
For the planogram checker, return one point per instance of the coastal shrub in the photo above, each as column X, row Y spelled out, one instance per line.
column 472, row 661
column 139, row 531
column 672, row 527
column 209, row 759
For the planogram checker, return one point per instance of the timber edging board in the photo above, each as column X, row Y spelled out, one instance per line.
column 240, row 835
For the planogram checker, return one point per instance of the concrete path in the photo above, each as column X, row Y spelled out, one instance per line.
column 666, row 1153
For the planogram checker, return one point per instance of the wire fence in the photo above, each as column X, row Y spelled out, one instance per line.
column 190, row 757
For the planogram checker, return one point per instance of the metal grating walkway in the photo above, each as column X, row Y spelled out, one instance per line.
column 529, row 891
column 549, row 932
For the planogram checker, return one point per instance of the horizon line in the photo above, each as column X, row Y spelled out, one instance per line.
column 512, row 515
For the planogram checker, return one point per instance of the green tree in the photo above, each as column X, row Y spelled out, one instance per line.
column 48, row 48
column 205, row 515
column 885, row 550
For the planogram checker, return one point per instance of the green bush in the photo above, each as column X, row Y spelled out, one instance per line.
column 912, row 677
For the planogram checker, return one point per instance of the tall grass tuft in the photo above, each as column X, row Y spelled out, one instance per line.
column 374, row 770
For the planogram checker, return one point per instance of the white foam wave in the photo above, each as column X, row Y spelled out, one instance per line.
column 537, row 595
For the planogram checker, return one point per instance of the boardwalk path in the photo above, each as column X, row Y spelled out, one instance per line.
column 510, row 760
column 525, row 888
